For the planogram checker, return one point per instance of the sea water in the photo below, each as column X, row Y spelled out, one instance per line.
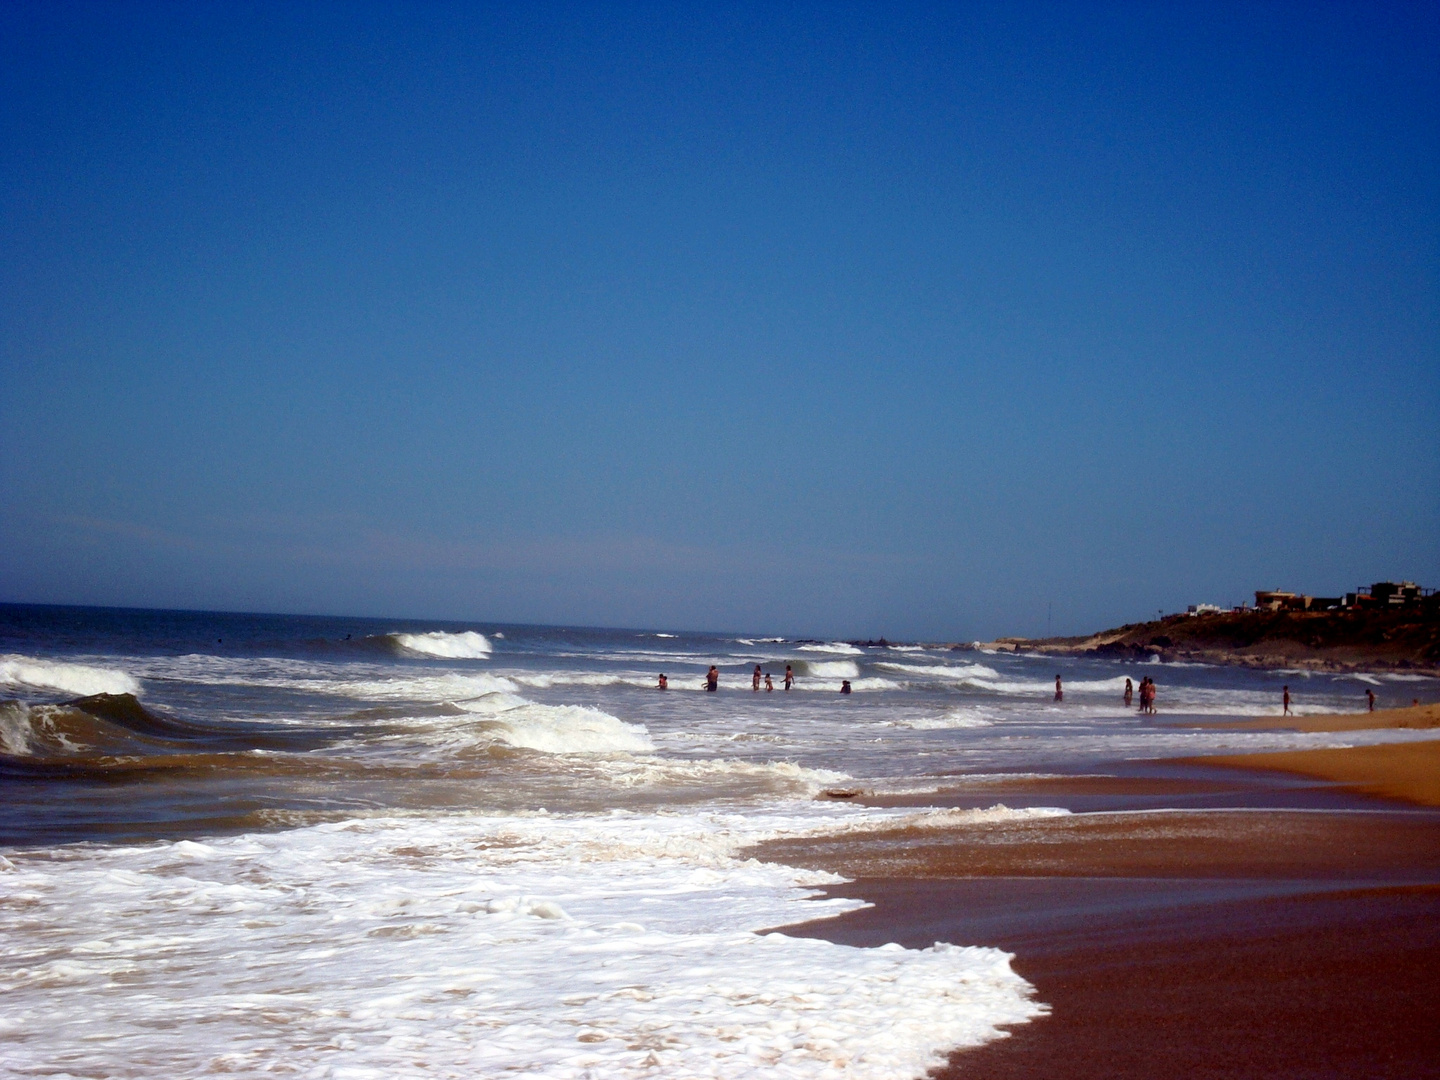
column 383, row 848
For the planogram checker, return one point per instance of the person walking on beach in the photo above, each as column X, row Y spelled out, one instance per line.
column 1129, row 692
column 1370, row 696
column 789, row 677
column 769, row 686
column 755, row 679
column 712, row 678
column 1286, row 700
column 1059, row 693
column 663, row 684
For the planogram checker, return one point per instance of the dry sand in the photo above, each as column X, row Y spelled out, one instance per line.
column 1408, row 771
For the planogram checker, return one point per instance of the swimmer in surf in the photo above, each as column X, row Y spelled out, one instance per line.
column 789, row 677
column 844, row 686
column 712, row 678
column 769, row 686
column 663, row 684
column 1059, row 693
column 1129, row 692
column 755, row 679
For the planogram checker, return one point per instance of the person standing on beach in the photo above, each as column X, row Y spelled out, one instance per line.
column 1370, row 696
column 712, row 678
column 1286, row 700
column 1059, row 693
column 755, row 679
column 1129, row 692
column 789, row 677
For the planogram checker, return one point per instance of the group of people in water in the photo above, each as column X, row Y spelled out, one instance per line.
column 759, row 676
column 1147, row 694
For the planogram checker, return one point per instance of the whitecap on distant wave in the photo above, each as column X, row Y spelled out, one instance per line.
column 839, row 647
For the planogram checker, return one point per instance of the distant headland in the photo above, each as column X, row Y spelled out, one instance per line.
column 1390, row 626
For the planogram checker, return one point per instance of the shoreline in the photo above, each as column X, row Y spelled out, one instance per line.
column 1408, row 771
column 1290, row 930
column 1140, row 984
column 1410, row 716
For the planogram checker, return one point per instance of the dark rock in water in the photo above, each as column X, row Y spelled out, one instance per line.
column 1120, row 650
column 1162, row 640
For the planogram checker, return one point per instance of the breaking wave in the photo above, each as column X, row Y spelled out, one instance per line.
column 566, row 729
column 79, row 679
column 839, row 647
column 828, row 669
column 941, row 672
column 467, row 645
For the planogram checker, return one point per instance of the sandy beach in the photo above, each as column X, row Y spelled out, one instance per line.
column 1417, row 716
column 1406, row 771
column 1289, row 935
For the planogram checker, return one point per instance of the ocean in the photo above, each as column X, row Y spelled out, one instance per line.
column 352, row 848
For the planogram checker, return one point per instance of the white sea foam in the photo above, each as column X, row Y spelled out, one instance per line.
column 834, row 647
column 872, row 682
column 568, row 729
column 618, row 946
column 1032, row 686
column 721, row 777
column 942, row 672
column 467, row 645
column 950, row 719
column 78, row 679
column 446, row 686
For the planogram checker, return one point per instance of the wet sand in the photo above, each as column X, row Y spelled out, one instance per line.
column 1298, row 941
column 1341, row 985
column 1242, row 844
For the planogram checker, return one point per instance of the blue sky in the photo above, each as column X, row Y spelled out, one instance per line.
column 929, row 322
